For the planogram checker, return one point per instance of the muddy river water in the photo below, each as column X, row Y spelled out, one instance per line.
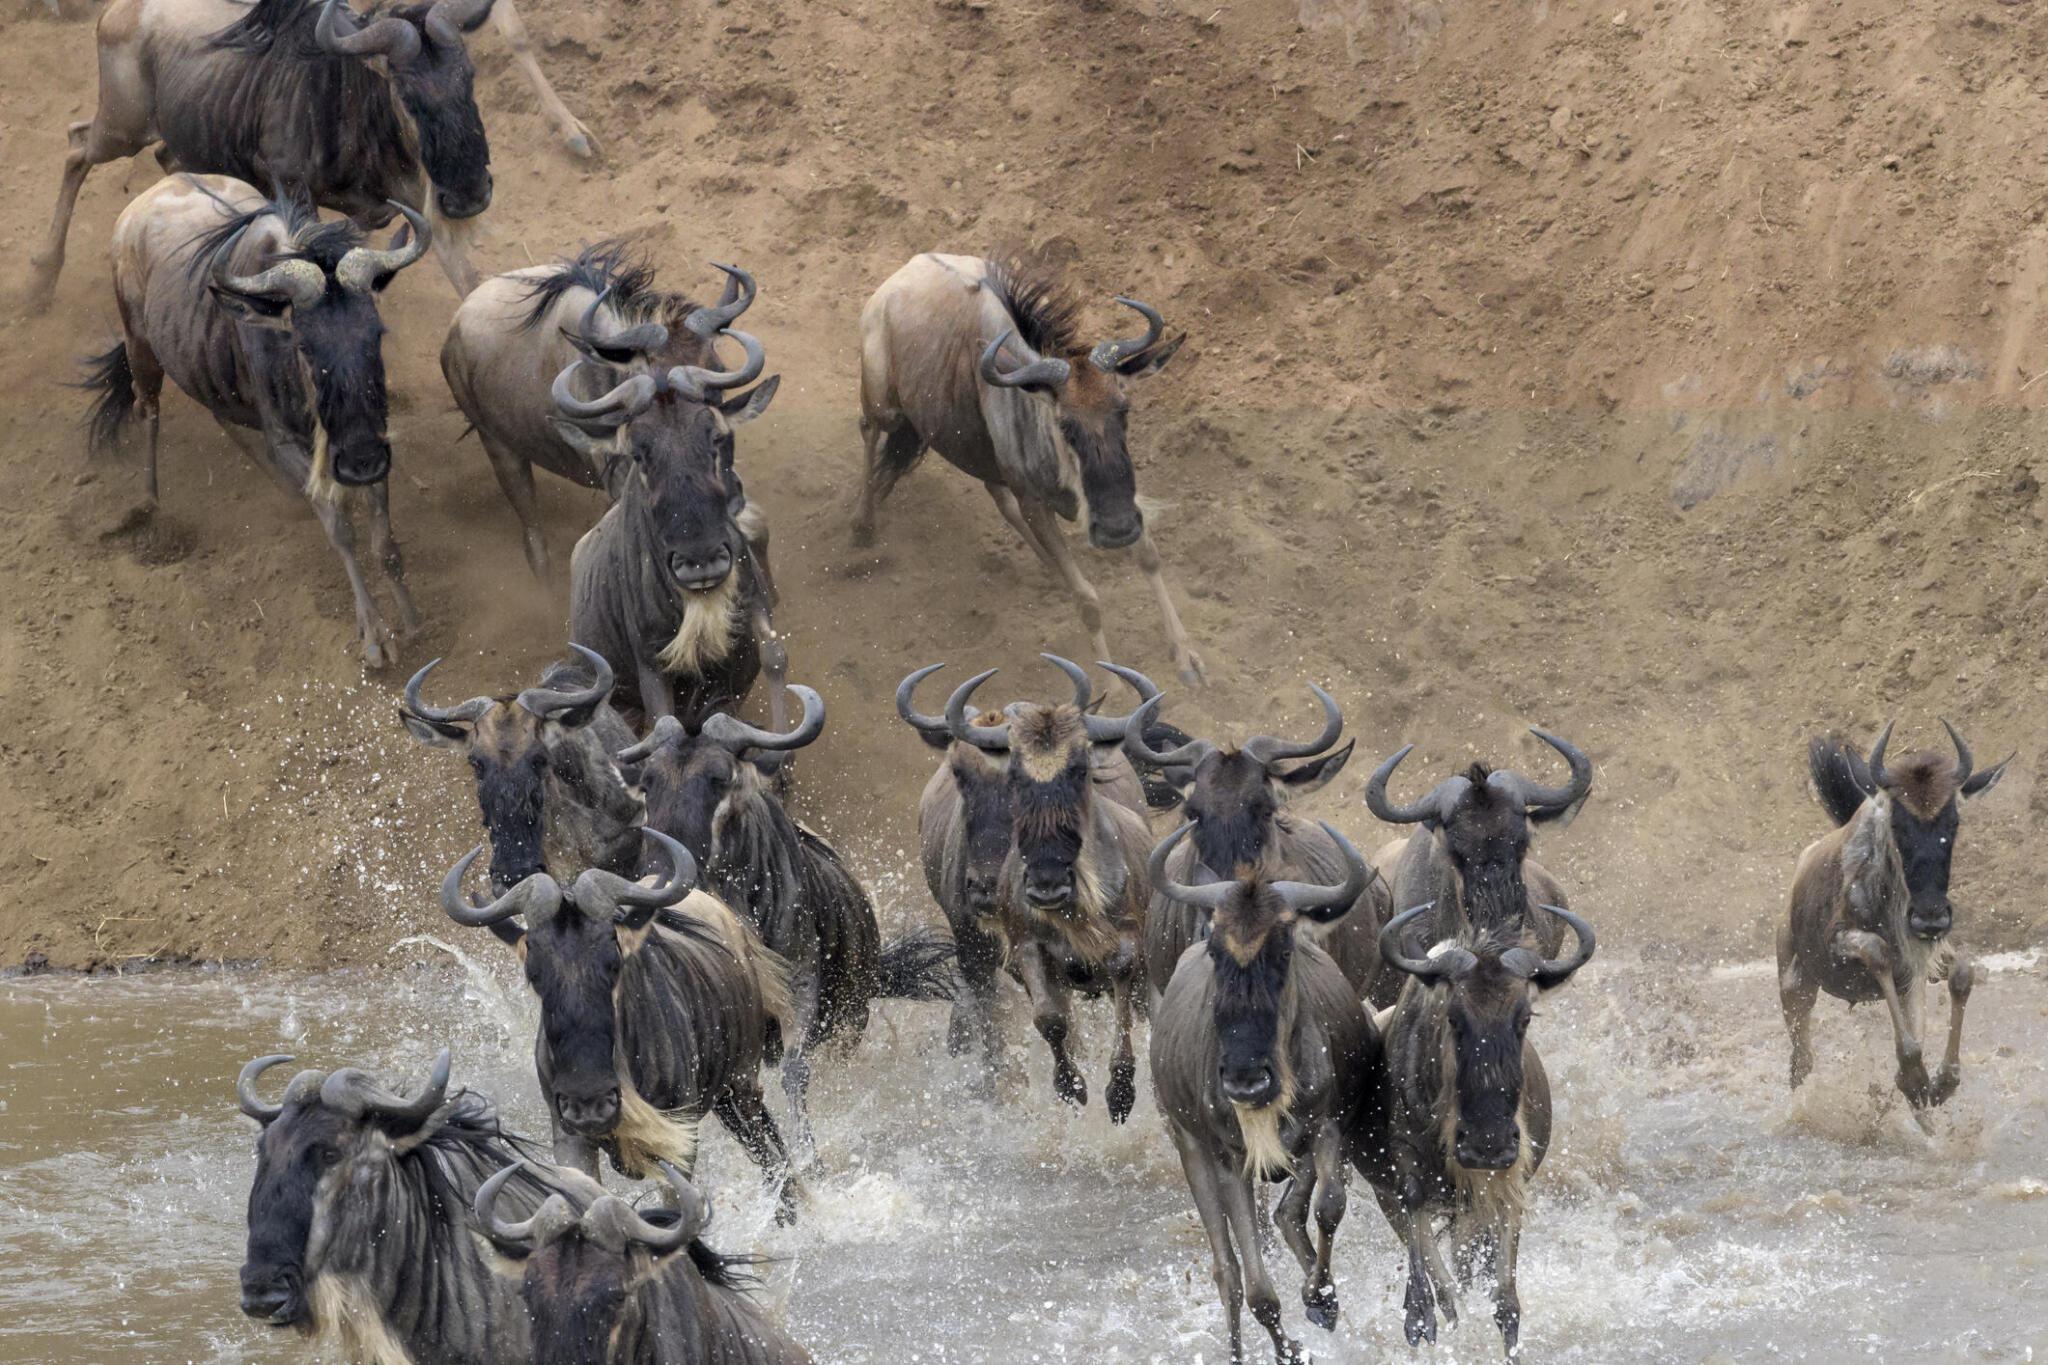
column 1693, row 1210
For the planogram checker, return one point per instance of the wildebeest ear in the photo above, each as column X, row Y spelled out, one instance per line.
column 1521, row 962
column 472, row 22
column 938, row 739
column 438, row 734
column 1980, row 783
column 1316, row 773
column 595, row 448
column 1152, row 361
column 743, row 408
column 253, row 308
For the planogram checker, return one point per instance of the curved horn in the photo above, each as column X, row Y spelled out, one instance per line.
column 994, row 738
column 1039, row 372
column 448, row 19
column 1540, row 797
column 391, row 38
column 1965, row 765
column 644, row 337
column 1101, row 729
column 361, row 266
column 632, row 397
column 1376, row 796
column 665, row 729
column 1187, row 755
column 915, row 719
column 1110, row 354
column 1422, row 968
column 1556, row 971
column 546, row 701
column 1358, row 875
column 738, row 297
column 1269, row 750
column 357, row 1094
column 628, row 895
column 245, row 1088
column 1084, row 691
column 537, row 894
column 298, row 283
column 689, row 1217
column 1876, row 760
column 737, row 734
column 1138, row 682
column 1212, row 896
column 520, row 1239
column 462, row 714
column 697, row 383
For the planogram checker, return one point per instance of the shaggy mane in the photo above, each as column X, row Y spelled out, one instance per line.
column 609, row 264
column 322, row 243
column 1046, row 310
column 267, row 21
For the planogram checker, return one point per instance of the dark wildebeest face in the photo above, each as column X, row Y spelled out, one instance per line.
column 1483, row 816
column 1927, row 791
column 979, row 777
column 1489, row 984
column 1092, row 408
column 1251, row 958
column 331, row 1137
column 430, row 72
column 574, row 946
column 690, row 779
column 322, row 293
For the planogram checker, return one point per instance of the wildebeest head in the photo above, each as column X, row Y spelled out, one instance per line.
column 334, row 1140
column 1049, row 776
column 1251, row 955
column 1927, row 790
column 1234, row 795
column 1483, row 816
column 693, row 782
column 574, row 945
column 321, row 294
column 525, row 750
column 430, row 72
column 1490, row 984
column 980, row 778
column 673, row 428
column 1086, row 387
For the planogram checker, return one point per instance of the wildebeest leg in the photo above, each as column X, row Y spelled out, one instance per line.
column 1419, row 1303
column 1203, row 1179
column 890, row 452
column 333, row 514
column 1507, row 1299
column 745, row 1115
column 384, row 546
column 515, row 477
column 451, row 246
column 1236, row 1190
column 1045, row 522
column 1862, row 946
column 118, row 128
column 796, row 1058
column 578, row 1153
column 258, row 451
column 1051, row 1012
column 1319, row 1290
column 1006, row 503
column 146, row 374
column 1962, row 975
column 1185, row 660
column 1123, row 1063
column 579, row 139
column 775, row 663
column 973, row 1020
column 657, row 697
column 1796, row 997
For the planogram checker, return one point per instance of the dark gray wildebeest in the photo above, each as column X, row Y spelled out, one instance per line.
column 1044, row 432
column 656, row 1005
column 1470, row 857
column 267, row 317
column 618, row 1286
column 299, row 97
column 1871, row 916
column 360, row 1230
column 1467, row 1116
column 1238, row 799
column 714, row 792
column 1262, row 1056
column 1068, row 902
column 545, row 763
column 964, row 832
column 668, row 585
column 519, row 330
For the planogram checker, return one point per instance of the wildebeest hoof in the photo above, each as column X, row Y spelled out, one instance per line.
column 1122, row 1097
column 1071, row 1087
column 1944, row 1088
column 1320, row 1306
column 863, row 536
column 582, row 143
column 1420, row 1327
column 1192, row 672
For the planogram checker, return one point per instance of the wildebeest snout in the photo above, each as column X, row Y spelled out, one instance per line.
column 1492, row 1148
column 1114, row 530
column 1048, row 888
column 466, row 203
column 1930, row 919
column 980, row 892
column 1254, row 1086
column 698, row 572
column 271, row 1294
column 588, row 1110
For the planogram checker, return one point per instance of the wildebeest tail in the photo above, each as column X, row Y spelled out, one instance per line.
column 918, row 966
column 110, row 375
column 1840, row 776
column 1164, row 786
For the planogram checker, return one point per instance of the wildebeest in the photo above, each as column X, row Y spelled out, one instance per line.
column 650, row 1017
column 1470, row 857
column 517, row 331
column 360, row 1231
column 298, row 97
column 267, row 317
column 1467, row 1117
column 668, row 585
column 1238, row 800
column 1870, row 916
column 1262, row 1054
column 713, row 792
column 615, row 1286
column 547, row 781
column 1045, row 436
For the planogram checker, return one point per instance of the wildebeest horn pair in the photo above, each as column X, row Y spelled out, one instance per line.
column 636, row 393
column 348, row 1091
column 392, row 38
column 301, row 283
column 996, row 738
column 1267, row 749
column 1299, row 896
column 1456, row 960
column 610, row 1222
column 736, row 735
column 1966, row 764
column 539, row 894
column 542, row 701
column 1438, row 805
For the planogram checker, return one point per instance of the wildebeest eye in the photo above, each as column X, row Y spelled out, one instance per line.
column 326, row 1154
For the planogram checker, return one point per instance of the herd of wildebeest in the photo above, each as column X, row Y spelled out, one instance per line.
column 1311, row 1012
